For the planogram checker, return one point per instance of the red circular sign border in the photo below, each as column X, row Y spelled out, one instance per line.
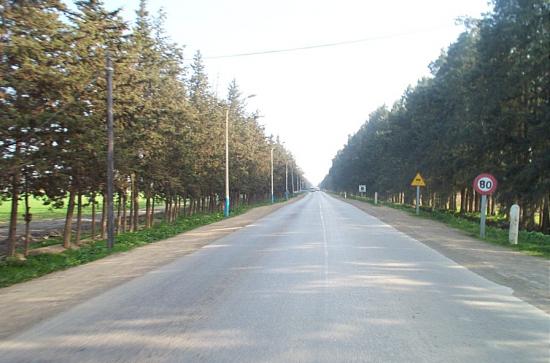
column 486, row 175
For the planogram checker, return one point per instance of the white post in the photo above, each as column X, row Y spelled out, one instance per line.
column 514, row 224
column 375, row 198
column 483, row 216
column 226, row 209
column 417, row 200
column 345, row 195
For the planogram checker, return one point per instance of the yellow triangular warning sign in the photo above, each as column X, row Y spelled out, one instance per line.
column 418, row 181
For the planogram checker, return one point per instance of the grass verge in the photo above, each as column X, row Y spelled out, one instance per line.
column 532, row 243
column 12, row 272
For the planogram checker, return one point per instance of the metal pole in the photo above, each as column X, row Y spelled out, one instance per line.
column 292, row 179
column 272, row 195
column 483, row 216
column 226, row 207
column 417, row 200
column 286, row 181
column 110, row 155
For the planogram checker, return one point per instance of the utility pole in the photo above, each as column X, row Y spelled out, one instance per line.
column 292, row 179
column 286, row 180
column 226, row 208
column 272, row 195
column 110, row 155
column 227, row 204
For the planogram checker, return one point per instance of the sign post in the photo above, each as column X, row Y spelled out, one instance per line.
column 362, row 189
column 484, row 184
column 483, row 216
column 418, row 182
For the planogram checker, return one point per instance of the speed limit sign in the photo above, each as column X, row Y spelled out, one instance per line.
column 485, row 184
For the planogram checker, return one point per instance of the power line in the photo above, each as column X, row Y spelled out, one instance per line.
column 323, row 45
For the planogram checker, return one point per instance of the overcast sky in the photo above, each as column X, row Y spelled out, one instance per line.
column 313, row 99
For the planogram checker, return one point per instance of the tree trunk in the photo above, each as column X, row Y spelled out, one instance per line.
column 131, row 217
column 184, row 205
column 168, row 216
column 528, row 220
column 104, row 216
column 152, row 218
column 545, row 215
column 93, row 217
column 463, row 200
column 147, row 211
column 78, row 218
column 212, row 203
column 12, row 233
column 135, row 200
column 174, row 209
column 124, row 218
column 69, row 219
column 28, row 219
column 119, row 213
column 166, row 207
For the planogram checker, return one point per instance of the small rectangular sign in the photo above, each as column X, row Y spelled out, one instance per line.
column 362, row 188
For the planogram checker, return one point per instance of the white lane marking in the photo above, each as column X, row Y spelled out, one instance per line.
column 325, row 245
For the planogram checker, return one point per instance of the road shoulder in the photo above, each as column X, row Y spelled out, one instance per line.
column 25, row 304
column 527, row 276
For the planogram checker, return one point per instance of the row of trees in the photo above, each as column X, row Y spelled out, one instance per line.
column 169, row 126
column 486, row 109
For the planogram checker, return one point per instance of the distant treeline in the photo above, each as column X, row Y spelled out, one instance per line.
column 485, row 109
column 169, row 125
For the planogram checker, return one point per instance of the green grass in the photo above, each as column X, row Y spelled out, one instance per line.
column 12, row 272
column 532, row 243
column 41, row 211
column 38, row 210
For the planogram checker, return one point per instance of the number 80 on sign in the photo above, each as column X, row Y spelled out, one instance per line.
column 485, row 184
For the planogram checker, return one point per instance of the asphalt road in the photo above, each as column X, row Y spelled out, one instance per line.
column 316, row 281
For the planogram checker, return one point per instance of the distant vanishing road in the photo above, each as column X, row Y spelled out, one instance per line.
column 316, row 281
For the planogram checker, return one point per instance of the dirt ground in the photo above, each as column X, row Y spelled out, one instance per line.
column 25, row 304
column 527, row 276
column 43, row 228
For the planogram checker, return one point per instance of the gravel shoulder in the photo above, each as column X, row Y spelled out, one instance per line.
column 25, row 304
column 527, row 276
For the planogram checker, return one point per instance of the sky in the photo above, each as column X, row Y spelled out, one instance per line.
column 313, row 99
